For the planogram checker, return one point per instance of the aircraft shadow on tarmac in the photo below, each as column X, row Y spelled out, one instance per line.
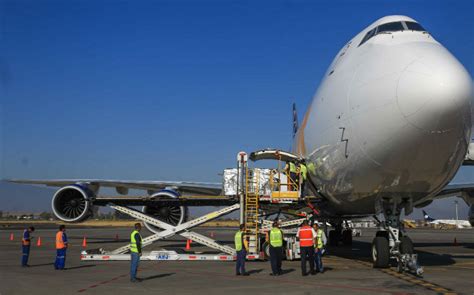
column 158, row 276
column 364, row 253
column 434, row 244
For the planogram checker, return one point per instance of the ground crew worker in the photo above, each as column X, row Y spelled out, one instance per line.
column 293, row 173
column 61, row 247
column 135, row 252
column 319, row 242
column 241, row 247
column 25, row 245
column 306, row 235
column 275, row 239
column 304, row 175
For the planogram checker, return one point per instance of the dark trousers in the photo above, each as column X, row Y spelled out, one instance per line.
column 307, row 253
column 240, row 265
column 318, row 260
column 134, row 262
column 26, row 255
column 276, row 256
column 293, row 185
column 303, row 188
column 60, row 258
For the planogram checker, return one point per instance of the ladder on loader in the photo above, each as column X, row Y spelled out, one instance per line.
column 252, row 190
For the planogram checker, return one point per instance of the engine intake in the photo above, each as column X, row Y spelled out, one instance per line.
column 173, row 215
column 72, row 203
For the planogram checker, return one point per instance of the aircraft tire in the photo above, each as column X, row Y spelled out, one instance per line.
column 333, row 238
column 380, row 252
column 406, row 245
column 266, row 250
column 347, row 237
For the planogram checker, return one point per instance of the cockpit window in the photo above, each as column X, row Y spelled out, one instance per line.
column 390, row 27
column 415, row 26
column 369, row 35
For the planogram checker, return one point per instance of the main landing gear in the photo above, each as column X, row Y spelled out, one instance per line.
column 392, row 242
column 340, row 234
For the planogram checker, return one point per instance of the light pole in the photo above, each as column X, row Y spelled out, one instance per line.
column 456, row 204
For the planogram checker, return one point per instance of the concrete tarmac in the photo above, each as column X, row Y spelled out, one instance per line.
column 449, row 268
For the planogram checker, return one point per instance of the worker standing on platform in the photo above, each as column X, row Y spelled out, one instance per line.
column 241, row 247
column 303, row 177
column 25, row 245
column 306, row 235
column 275, row 239
column 320, row 243
column 135, row 252
column 61, row 247
column 290, row 169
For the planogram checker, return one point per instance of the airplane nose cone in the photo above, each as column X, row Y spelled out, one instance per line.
column 434, row 92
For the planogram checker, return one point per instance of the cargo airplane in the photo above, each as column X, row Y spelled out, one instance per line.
column 386, row 131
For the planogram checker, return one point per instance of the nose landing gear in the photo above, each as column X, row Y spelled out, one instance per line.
column 391, row 242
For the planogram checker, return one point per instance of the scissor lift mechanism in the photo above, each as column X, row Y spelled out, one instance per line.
column 168, row 230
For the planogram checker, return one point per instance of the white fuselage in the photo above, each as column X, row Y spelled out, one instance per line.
column 391, row 118
column 452, row 222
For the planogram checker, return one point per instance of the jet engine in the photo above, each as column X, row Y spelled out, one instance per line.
column 173, row 215
column 73, row 203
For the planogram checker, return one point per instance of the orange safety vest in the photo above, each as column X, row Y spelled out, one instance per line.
column 23, row 241
column 306, row 236
column 59, row 240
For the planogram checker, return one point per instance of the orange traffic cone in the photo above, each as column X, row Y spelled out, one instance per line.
column 188, row 245
column 11, row 237
column 38, row 243
column 84, row 242
column 455, row 242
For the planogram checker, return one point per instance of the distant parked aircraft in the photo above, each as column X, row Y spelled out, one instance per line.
column 457, row 223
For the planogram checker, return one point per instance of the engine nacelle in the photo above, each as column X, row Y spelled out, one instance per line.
column 173, row 215
column 73, row 203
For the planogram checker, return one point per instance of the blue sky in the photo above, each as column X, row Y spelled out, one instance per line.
column 174, row 89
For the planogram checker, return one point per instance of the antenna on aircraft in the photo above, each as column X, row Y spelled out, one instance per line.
column 295, row 120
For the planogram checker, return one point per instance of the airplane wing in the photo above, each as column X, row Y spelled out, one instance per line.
column 122, row 186
column 463, row 190
column 469, row 158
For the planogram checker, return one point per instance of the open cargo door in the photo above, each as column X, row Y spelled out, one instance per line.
column 274, row 154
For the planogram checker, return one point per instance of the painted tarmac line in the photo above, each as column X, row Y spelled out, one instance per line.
column 315, row 283
column 418, row 282
column 111, row 280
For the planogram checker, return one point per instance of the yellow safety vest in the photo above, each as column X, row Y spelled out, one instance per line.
column 303, row 171
column 238, row 241
column 311, row 168
column 319, row 235
column 276, row 237
column 133, row 241
column 292, row 167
